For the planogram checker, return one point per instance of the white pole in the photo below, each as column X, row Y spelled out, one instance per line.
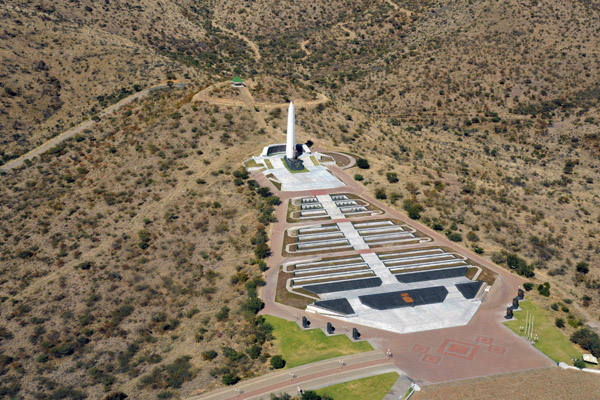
column 532, row 322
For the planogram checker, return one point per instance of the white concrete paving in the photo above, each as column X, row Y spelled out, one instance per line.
column 353, row 236
column 329, row 205
column 318, row 177
column 379, row 268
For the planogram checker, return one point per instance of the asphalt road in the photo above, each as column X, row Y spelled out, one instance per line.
column 309, row 376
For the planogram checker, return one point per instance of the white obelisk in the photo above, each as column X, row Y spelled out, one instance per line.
column 290, row 145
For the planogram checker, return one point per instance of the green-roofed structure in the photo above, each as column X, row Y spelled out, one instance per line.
column 237, row 81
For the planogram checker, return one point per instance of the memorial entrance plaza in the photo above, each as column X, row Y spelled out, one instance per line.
column 436, row 308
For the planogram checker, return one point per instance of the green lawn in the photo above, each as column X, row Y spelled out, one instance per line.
column 371, row 388
column 252, row 164
column 300, row 347
column 551, row 341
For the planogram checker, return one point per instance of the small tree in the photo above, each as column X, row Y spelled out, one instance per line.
column 222, row 314
column 230, row 379
column 277, row 362
column 380, row 194
column 413, row 208
column 583, row 267
column 544, row 289
column 392, row 177
column 559, row 322
column 363, row 163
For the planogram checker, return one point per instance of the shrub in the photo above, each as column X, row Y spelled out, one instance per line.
column 209, row 355
column 544, row 289
column 579, row 363
column 472, row 236
column 583, row 267
column 222, row 314
column 253, row 305
column 179, row 372
column 380, row 194
column 144, row 237
column 262, row 265
column 392, row 177
column 413, row 208
column 559, row 322
column 84, row 265
column 233, row 355
column 363, row 163
column 528, row 286
column 358, row 177
column 554, row 306
column 230, row 379
column 254, row 351
column 262, row 251
column 455, row 237
column 277, row 362
column 120, row 313
column 478, row 249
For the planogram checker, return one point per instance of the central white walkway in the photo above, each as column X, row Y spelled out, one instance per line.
column 329, row 205
column 353, row 236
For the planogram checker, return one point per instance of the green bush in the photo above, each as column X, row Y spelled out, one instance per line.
column 230, row 379
column 358, row 177
column 579, row 363
column 262, row 251
column 277, row 362
column 222, row 314
column 253, row 305
column 554, row 306
column 455, row 237
column 582, row 267
column 179, row 372
column 559, row 322
column 254, row 351
column 588, row 340
column 413, row 208
column 144, row 237
column 544, row 289
column 528, row 286
column 392, row 177
column 209, row 355
column 380, row 194
column 363, row 163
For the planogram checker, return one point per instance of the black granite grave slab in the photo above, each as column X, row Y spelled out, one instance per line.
column 338, row 305
column 341, row 286
column 405, row 298
column 469, row 289
column 432, row 275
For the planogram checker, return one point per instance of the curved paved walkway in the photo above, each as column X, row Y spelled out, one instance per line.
column 81, row 127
